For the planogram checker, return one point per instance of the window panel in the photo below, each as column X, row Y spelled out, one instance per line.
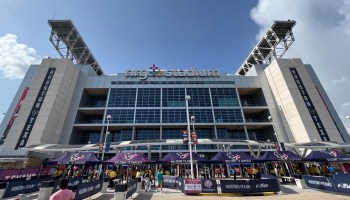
column 200, row 97
column 147, row 116
column 173, row 97
column 174, row 116
column 147, row 134
column 148, row 97
column 202, row 115
column 228, row 115
column 121, row 116
column 122, row 97
column 224, row 97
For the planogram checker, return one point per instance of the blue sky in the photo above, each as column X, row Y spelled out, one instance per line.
column 179, row 34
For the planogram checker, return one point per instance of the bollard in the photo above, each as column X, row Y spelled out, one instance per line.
column 120, row 191
column 138, row 186
column 45, row 190
column 3, row 186
column 105, row 185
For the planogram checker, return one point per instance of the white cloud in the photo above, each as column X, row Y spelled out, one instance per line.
column 15, row 58
column 322, row 39
column 340, row 81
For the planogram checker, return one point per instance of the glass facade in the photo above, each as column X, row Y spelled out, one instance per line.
column 160, row 113
column 148, row 97
column 174, row 97
column 122, row 97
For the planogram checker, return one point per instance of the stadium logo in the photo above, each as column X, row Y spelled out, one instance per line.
column 332, row 153
column 208, row 183
column 182, row 155
column 129, row 156
column 233, row 156
column 76, row 156
column 155, row 71
column 282, row 156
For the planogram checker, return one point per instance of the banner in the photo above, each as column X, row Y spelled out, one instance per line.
column 342, row 185
column 14, row 115
column 170, row 181
column 185, row 136
column 249, row 186
column 88, row 189
column 22, row 141
column 310, row 106
column 23, row 187
column 132, row 185
column 192, row 186
column 319, row 182
column 180, row 184
column 27, row 173
column 72, row 181
column 209, row 186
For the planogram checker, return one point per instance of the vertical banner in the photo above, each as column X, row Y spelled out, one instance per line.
column 310, row 106
column 185, row 136
column 22, row 141
column 18, row 107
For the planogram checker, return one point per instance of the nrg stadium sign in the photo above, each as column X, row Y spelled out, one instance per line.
column 156, row 72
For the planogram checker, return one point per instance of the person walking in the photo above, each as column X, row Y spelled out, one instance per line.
column 160, row 180
column 63, row 193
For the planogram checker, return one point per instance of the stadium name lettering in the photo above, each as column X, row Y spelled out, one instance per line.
column 144, row 74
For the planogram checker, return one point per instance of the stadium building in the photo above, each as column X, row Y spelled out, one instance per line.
column 63, row 104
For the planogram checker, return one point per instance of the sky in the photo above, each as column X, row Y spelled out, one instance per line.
column 181, row 34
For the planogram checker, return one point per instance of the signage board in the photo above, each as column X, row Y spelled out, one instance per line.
column 22, row 141
column 310, row 106
column 192, row 186
column 157, row 72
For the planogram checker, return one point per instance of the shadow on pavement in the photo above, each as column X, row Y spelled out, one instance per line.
column 105, row 196
column 288, row 190
column 144, row 196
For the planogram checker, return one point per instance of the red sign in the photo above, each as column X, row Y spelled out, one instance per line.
column 192, row 186
column 100, row 148
column 194, row 137
column 19, row 105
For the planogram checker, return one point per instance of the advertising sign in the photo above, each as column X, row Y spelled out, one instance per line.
column 209, row 186
column 27, row 173
column 185, row 136
column 249, row 186
column 88, row 189
column 23, row 187
column 310, row 106
column 14, row 115
column 22, row 141
column 169, row 181
column 192, row 186
column 132, row 185
column 319, row 182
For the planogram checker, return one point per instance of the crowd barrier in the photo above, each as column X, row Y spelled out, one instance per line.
column 267, row 184
column 340, row 183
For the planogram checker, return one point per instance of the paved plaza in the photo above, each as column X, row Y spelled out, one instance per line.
column 291, row 192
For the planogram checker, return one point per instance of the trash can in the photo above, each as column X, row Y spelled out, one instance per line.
column 105, row 185
column 45, row 190
column 120, row 191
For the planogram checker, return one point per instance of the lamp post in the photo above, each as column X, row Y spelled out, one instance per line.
column 187, row 98
column 274, row 130
column 109, row 117
column 193, row 118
